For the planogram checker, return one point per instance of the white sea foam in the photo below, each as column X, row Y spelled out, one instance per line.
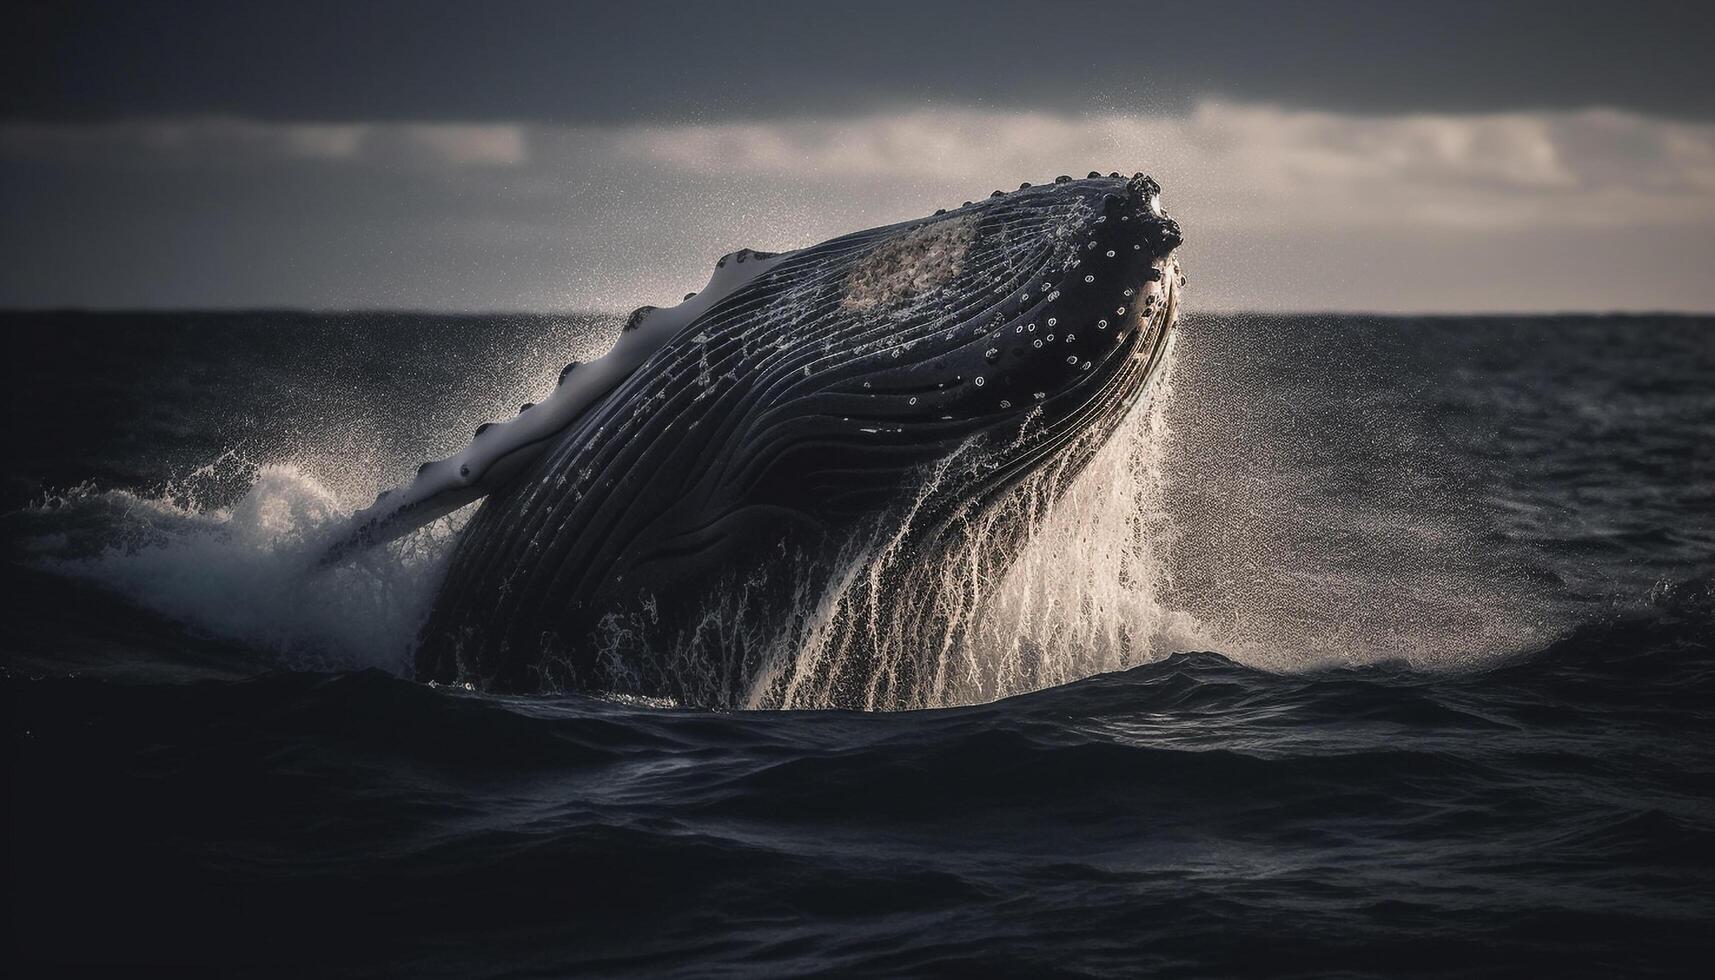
column 1083, row 595
column 246, row 572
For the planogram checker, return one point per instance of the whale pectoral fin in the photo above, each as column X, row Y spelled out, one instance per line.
column 497, row 452
column 380, row 524
column 500, row 450
column 440, row 488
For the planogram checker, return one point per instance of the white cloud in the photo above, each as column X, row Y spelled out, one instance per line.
column 500, row 145
column 1245, row 164
column 1282, row 208
column 225, row 143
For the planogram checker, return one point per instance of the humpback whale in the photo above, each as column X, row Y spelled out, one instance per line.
column 732, row 456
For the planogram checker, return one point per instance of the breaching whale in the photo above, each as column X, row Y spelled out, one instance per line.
column 729, row 456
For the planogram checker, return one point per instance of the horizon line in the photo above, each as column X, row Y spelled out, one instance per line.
column 281, row 310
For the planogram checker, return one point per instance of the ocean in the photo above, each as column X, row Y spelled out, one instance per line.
column 1378, row 646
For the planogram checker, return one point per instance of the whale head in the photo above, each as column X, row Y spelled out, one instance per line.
column 1012, row 326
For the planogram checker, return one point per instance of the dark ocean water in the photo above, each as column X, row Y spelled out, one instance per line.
column 1454, row 715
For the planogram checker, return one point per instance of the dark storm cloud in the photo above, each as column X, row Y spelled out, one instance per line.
column 574, row 63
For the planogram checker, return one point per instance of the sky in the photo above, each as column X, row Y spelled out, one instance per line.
column 1393, row 157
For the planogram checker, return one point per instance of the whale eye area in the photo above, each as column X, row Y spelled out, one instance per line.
column 910, row 264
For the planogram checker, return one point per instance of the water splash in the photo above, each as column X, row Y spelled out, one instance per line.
column 245, row 571
column 1320, row 514
column 1057, row 580
column 1212, row 519
column 1274, row 499
column 1080, row 595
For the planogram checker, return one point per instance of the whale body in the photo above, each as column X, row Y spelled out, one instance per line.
column 674, row 504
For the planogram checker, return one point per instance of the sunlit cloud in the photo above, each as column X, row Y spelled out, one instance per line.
column 1258, row 163
column 223, row 142
column 1284, row 208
